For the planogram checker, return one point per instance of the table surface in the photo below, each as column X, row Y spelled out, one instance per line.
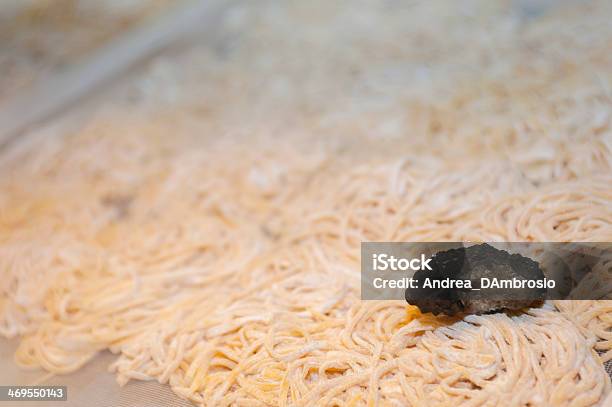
column 91, row 386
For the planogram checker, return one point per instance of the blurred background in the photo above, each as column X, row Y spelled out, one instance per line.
column 40, row 36
column 400, row 66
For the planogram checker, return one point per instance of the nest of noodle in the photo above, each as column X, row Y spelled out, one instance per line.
column 228, row 268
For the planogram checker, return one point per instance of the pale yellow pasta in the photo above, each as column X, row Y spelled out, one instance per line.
column 216, row 249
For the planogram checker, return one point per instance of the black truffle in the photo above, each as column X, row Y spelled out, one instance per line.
column 476, row 263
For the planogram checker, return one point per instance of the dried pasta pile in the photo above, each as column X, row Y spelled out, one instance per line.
column 228, row 267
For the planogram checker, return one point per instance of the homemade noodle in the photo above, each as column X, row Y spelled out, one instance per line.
column 212, row 242
column 244, row 289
